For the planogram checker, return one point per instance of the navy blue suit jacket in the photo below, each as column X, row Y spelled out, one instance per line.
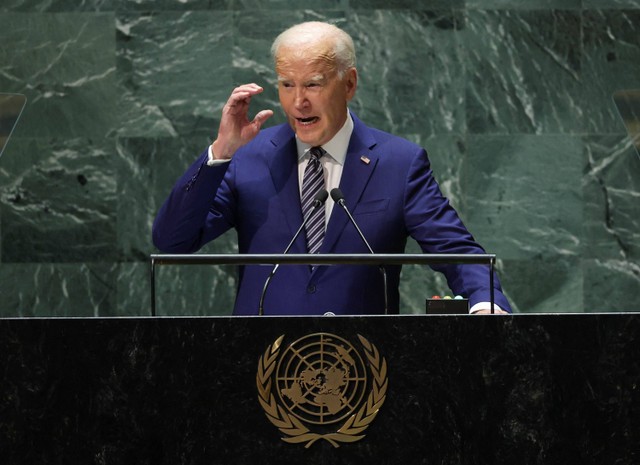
column 392, row 197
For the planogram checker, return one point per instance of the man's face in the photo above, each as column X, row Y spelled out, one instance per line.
column 312, row 95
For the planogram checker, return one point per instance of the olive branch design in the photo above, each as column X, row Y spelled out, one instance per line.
column 295, row 431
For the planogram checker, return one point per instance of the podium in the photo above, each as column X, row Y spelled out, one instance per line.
column 526, row 389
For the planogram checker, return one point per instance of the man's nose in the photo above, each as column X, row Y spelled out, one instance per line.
column 300, row 100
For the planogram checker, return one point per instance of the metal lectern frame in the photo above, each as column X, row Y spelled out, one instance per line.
column 320, row 259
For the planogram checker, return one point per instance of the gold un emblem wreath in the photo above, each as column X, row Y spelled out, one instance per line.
column 320, row 387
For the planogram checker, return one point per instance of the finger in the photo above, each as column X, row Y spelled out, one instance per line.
column 243, row 96
column 251, row 86
column 488, row 312
column 251, row 89
column 239, row 97
column 261, row 117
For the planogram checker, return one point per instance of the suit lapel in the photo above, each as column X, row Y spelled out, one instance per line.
column 283, row 165
column 355, row 177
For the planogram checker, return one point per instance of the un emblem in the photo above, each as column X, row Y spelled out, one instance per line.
column 324, row 388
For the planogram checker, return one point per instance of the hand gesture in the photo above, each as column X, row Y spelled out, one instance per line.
column 235, row 128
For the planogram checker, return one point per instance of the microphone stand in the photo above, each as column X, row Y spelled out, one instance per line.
column 318, row 201
column 338, row 197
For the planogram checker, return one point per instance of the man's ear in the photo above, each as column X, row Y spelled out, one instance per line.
column 351, row 82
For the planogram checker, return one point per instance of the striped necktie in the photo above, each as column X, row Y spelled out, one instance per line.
column 312, row 183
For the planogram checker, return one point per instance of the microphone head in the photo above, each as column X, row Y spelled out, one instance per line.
column 319, row 199
column 337, row 195
column 321, row 196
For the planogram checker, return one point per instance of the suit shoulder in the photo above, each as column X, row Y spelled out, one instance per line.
column 383, row 137
column 397, row 147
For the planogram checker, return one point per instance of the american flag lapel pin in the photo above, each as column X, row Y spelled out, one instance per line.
column 365, row 159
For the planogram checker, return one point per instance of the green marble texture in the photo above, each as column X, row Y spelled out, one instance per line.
column 65, row 65
column 405, row 86
column 523, row 194
column 611, row 4
column 524, row 4
column 611, row 189
column 511, row 99
column 523, row 71
column 610, row 48
column 59, row 289
column 58, row 201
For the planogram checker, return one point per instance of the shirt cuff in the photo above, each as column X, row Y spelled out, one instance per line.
column 212, row 161
column 484, row 306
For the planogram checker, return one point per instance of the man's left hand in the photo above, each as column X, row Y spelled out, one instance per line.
column 497, row 311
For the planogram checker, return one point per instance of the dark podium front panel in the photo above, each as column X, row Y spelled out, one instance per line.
column 525, row 389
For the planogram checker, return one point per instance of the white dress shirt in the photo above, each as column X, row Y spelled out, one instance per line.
column 332, row 161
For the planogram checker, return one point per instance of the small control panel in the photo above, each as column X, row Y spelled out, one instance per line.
column 447, row 305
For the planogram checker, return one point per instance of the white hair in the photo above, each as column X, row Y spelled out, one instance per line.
column 343, row 53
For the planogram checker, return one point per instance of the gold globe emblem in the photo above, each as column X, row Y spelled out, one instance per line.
column 321, row 380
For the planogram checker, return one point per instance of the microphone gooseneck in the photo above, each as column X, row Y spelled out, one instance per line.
column 338, row 197
column 318, row 201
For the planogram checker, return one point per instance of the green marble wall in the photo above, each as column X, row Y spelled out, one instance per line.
column 511, row 98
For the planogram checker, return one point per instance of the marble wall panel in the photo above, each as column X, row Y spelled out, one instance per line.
column 611, row 285
column 412, row 75
column 286, row 5
column 64, row 64
column 57, row 289
column 195, row 290
column 269, row 5
column 523, row 71
column 180, row 290
column 512, row 207
column 542, row 284
column 133, row 289
column 611, row 50
column 611, row 4
column 157, row 5
column 58, row 201
column 30, row 6
column 406, row 4
column 523, row 194
column 173, row 5
column 524, row 4
column 611, row 198
column 174, row 69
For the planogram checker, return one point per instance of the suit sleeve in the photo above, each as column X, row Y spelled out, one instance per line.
column 434, row 224
column 198, row 210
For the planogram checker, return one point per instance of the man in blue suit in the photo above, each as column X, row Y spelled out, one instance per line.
column 252, row 179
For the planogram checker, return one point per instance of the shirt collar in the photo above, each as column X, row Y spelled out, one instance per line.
column 336, row 147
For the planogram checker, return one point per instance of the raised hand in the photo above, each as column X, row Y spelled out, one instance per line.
column 235, row 128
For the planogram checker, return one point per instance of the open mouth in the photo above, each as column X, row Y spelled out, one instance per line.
column 307, row 121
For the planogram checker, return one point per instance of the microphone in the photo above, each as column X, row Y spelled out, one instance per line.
column 338, row 197
column 318, row 201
